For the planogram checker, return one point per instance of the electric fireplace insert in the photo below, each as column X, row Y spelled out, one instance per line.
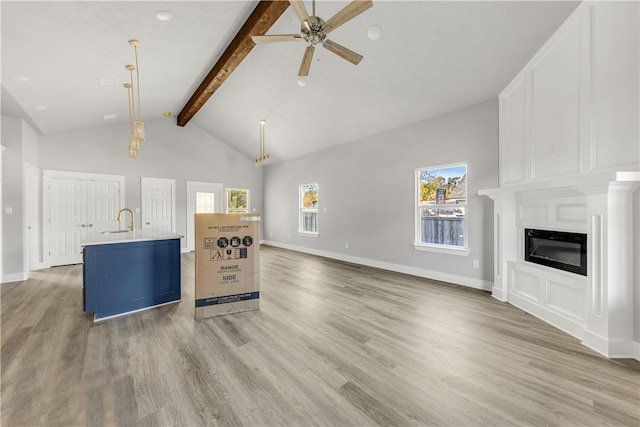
column 557, row 249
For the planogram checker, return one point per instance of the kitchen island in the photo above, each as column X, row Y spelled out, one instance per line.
column 128, row 271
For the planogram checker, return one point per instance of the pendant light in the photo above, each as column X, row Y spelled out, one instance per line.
column 136, row 126
column 264, row 158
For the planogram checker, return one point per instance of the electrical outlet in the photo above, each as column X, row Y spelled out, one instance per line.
column 476, row 263
column 346, row 245
column 271, row 234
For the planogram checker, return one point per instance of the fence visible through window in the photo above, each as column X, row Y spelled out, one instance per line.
column 309, row 222
column 442, row 231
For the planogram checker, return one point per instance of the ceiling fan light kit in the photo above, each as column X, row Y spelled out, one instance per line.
column 314, row 30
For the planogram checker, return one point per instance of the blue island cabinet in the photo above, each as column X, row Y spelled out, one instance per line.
column 120, row 278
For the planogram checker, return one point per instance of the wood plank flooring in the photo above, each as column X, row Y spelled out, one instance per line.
column 333, row 344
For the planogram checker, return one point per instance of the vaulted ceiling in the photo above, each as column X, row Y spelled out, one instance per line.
column 433, row 57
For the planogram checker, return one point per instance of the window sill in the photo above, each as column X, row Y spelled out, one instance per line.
column 301, row 233
column 449, row 250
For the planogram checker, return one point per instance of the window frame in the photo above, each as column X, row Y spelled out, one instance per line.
column 302, row 210
column 226, row 201
column 440, row 247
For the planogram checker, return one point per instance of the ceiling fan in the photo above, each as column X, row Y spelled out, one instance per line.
column 314, row 30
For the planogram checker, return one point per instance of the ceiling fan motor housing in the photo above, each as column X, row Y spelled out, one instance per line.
column 314, row 34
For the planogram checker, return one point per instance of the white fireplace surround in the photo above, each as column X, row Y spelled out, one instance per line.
column 598, row 308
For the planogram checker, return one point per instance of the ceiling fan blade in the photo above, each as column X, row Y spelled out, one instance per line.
column 306, row 62
column 301, row 11
column 276, row 38
column 343, row 52
column 349, row 12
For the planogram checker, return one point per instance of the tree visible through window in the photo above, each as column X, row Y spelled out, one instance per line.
column 237, row 200
column 308, row 222
column 441, row 206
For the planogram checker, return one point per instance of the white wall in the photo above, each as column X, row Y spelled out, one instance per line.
column 368, row 190
column 636, row 268
column 20, row 142
column 170, row 151
column 12, row 198
column 29, row 144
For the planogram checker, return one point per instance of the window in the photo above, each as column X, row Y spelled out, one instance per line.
column 441, row 207
column 237, row 200
column 308, row 209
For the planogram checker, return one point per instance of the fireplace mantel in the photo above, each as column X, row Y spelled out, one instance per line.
column 569, row 186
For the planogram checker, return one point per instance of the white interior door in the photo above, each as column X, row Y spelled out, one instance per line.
column 158, row 203
column 202, row 197
column 103, row 204
column 75, row 204
column 67, row 220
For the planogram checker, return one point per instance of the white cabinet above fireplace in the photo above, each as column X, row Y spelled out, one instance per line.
column 573, row 109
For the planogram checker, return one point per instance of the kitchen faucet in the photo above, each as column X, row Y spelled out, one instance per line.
column 133, row 221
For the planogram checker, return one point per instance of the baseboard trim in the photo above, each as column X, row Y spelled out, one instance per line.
column 611, row 349
column 15, row 277
column 499, row 294
column 413, row 271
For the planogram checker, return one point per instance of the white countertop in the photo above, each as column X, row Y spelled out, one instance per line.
column 105, row 238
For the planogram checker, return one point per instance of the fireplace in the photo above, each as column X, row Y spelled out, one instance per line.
column 557, row 249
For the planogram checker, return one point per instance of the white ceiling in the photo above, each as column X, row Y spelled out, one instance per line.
column 433, row 57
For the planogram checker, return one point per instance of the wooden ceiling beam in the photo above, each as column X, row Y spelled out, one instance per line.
column 258, row 23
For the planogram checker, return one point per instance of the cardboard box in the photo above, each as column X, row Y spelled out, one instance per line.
column 227, row 263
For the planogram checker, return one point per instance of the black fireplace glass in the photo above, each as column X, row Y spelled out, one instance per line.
column 557, row 249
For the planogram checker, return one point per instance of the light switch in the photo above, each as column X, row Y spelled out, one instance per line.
column 8, row 211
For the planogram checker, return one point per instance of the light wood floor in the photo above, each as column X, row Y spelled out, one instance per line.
column 333, row 344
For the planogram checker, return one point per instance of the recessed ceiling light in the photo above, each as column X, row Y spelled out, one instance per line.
column 109, row 117
column 20, row 79
column 374, row 32
column 164, row 16
column 40, row 108
column 167, row 113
